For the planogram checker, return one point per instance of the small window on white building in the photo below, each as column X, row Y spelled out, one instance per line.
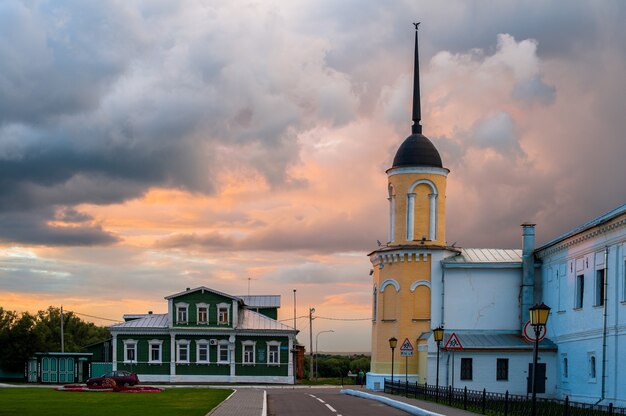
column 182, row 351
column 273, row 353
column 202, row 351
column 466, row 369
column 182, row 312
column 599, row 292
column 502, row 369
column 248, row 352
column 130, row 351
column 222, row 314
column 591, row 364
column 624, row 282
column 202, row 313
column 565, row 366
column 156, row 348
column 223, row 355
column 580, row 291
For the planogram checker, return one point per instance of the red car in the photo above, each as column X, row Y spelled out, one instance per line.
column 122, row 378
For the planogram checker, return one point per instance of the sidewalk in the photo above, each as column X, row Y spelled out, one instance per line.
column 243, row 402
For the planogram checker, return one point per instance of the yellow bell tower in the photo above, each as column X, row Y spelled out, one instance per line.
column 405, row 267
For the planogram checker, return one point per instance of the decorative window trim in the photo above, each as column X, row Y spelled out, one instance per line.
column 220, row 346
column 180, row 343
column 152, row 343
column 592, row 367
column 203, row 343
column 245, row 344
column 418, row 283
column 130, row 344
column 433, row 209
column 388, row 282
column 182, row 305
column 273, row 344
column 223, row 306
column 564, row 366
column 198, row 306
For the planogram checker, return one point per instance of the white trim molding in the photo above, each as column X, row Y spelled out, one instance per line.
column 245, row 344
column 180, row 306
column 158, row 343
column 180, row 343
column 130, row 344
column 418, row 169
column 221, row 306
column 203, row 343
column 434, row 212
column 269, row 353
column 417, row 283
column 388, row 282
column 202, row 305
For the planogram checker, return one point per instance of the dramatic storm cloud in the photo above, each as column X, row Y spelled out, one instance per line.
column 150, row 146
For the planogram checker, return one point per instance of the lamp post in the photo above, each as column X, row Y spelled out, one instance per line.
column 317, row 351
column 311, row 312
column 438, row 335
column 538, row 319
column 393, row 342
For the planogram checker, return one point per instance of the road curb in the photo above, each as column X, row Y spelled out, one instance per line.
column 414, row 410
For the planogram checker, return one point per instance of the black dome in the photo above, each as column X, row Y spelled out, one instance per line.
column 417, row 150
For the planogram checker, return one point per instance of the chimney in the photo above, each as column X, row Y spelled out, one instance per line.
column 528, row 270
column 149, row 312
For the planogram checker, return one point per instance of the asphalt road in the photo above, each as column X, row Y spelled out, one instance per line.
column 323, row 402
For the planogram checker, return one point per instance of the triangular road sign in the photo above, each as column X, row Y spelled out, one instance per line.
column 406, row 345
column 453, row 343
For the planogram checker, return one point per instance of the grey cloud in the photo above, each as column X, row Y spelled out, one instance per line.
column 496, row 131
column 535, row 89
column 32, row 228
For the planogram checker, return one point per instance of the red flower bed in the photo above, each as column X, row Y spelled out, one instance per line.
column 118, row 389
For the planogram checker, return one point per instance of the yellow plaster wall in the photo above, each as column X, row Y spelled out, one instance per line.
column 401, row 184
column 404, row 326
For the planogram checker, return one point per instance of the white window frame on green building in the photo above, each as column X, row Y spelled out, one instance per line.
column 130, row 345
column 182, row 307
column 200, row 345
column 155, row 345
column 182, row 344
column 273, row 353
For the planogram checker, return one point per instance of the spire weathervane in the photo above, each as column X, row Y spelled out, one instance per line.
column 417, row 111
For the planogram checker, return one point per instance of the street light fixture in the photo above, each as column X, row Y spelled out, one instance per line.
column 538, row 319
column 438, row 335
column 393, row 342
column 317, row 373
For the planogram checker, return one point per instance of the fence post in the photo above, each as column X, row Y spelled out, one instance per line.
column 484, row 400
column 566, row 406
column 416, row 388
column 610, row 409
column 506, row 403
column 425, row 389
column 406, row 388
column 465, row 398
column 449, row 395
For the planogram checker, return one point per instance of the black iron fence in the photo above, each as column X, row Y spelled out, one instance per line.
column 505, row 404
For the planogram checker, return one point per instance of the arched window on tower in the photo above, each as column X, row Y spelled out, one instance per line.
column 421, row 300
column 389, row 289
column 392, row 213
column 422, row 211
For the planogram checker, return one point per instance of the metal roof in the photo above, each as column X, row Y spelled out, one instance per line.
column 255, row 321
column 203, row 288
column 148, row 321
column 621, row 210
column 497, row 341
column 485, row 256
column 261, row 301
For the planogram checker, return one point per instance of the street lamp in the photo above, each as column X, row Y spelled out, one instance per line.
column 438, row 334
column 393, row 342
column 317, row 351
column 538, row 319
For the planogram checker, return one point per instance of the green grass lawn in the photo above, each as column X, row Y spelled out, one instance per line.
column 170, row 402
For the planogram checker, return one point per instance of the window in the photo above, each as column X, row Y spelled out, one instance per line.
column 374, row 303
column 222, row 314
column 181, row 312
column 466, row 369
column 130, row 351
column 591, row 366
column 223, row 355
column 182, row 351
column 580, row 290
column 599, row 301
column 273, row 353
column 565, row 366
column 203, row 313
column 155, row 351
column 203, row 351
column 502, row 369
column 248, row 352
column 624, row 282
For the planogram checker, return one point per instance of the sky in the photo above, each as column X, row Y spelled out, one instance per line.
column 151, row 146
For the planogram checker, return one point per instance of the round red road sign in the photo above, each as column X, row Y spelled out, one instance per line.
column 529, row 332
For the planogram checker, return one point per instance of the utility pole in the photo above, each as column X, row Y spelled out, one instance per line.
column 311, row 311
column 294, row 309
column 62, row 341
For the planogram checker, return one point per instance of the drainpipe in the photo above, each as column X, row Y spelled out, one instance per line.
column 604, row 327
column 443, row 287
column 528, row 270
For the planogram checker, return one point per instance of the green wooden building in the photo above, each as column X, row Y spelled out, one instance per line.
column 207, row 336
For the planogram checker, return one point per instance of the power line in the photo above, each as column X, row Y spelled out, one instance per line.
column 291, row 319
column 344, row 319
column 95, row 317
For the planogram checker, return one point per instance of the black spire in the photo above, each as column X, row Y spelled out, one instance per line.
column 417, row 111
